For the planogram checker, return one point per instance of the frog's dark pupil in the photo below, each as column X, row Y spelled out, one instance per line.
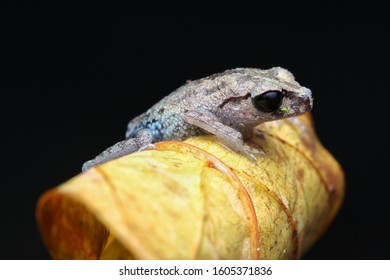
column 269, row 101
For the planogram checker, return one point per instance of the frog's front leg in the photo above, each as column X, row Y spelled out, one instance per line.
column 228, row 135
column 142, row 139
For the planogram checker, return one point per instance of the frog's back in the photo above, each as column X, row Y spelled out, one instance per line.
column 165, row 118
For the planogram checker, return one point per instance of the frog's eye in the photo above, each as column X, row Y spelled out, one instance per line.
column 269, row 101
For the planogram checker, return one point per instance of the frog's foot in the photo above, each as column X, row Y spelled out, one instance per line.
column 252, row 154
column 147, row 147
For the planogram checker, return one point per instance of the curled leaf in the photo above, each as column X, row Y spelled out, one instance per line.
column 199, row 200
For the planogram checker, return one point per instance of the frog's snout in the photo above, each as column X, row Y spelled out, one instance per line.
column 307, row 99
column 304, row 103
column 307, row 104
column 298, row 103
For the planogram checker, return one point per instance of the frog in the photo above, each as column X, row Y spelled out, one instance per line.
column 227, row 105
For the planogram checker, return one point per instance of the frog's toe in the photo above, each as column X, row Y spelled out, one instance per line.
column 253, row 154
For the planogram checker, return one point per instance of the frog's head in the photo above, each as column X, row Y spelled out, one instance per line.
column 280, row 95
column 264, row 95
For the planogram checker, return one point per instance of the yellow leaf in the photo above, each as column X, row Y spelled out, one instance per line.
column 199, row 200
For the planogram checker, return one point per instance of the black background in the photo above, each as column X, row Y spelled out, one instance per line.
column 73, row 76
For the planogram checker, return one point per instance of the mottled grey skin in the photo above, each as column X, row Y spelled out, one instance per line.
column 220, row 104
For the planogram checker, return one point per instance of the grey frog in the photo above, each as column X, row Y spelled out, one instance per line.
column 228, row 105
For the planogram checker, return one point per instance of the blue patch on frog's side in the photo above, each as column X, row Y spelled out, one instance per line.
column 154, row 125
